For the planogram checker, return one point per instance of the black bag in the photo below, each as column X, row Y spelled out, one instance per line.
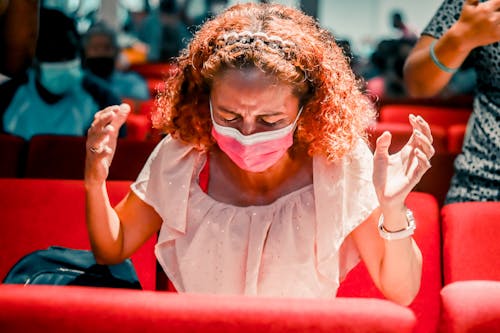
column 63, row 266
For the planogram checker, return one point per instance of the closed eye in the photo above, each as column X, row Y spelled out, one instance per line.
column 269, row 123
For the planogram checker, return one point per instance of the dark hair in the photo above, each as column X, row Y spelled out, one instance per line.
column 58, row 38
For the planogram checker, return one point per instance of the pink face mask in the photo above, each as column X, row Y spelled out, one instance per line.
column 256, row 152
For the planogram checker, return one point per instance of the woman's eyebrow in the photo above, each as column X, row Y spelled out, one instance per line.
column 270, row 114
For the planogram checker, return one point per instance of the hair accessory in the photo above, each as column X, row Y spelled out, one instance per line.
column 438, row 63
column 393, row 235
column 250, row 38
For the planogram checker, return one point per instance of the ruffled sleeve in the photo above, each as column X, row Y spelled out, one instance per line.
column 344, row 197
column 164, row 183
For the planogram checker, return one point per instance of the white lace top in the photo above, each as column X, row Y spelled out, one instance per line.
column 297, row 246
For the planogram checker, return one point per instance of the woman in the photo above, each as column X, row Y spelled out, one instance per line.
column 462, row 29
column 265, row 102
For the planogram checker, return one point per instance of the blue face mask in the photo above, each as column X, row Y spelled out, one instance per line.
column 60, row 77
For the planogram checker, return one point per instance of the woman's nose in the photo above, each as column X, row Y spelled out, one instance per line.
column 248, row 127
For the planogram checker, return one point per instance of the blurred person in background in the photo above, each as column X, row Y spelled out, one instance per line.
column 18, row 35
column 54, row 96
column 165, row 31
column 461, row 30
column 405, row 30
column 100, row 52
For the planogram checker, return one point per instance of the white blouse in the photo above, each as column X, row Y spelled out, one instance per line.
column 297, row 246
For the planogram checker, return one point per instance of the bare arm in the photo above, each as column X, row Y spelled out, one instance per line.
column 478, row 25
column 115, row 233
column 396, row 265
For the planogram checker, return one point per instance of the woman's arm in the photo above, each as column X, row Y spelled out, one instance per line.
column 478, row 25
column 396, row 265
column 115, row 233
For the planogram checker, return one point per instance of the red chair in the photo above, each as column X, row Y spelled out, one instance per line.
column 13, row 150
column 471, row 246
column 129, row 159
column 147, row 107
column 434, row 115
column 470, row 306
column 437, row 179
column 471, row 250
column 401, row 133
column 456, row 135
column 138, row 127
column 84, row 309
column 38, row 213
column 63, row 157
column 427, row 235
column 154, row 70
column 55, row 156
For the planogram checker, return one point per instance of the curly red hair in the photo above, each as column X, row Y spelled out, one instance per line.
column 335, row 111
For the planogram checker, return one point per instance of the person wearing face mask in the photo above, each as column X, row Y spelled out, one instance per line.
column 54, row 96
column 264, row 184
column 100, row 51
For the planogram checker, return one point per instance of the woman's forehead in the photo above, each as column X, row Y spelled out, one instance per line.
column 250, row 83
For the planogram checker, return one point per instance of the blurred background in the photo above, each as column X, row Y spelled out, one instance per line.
column 126, row 48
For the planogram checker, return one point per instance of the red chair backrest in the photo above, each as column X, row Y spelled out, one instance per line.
column 471, row 241
column 12, row 150
column 434, row 115
column 38, row 213
column 63, row 157
column 427, row 235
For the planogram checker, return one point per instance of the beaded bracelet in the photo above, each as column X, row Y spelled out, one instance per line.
column 438, row 63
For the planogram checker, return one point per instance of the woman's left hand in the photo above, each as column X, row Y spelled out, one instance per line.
column 394, row 176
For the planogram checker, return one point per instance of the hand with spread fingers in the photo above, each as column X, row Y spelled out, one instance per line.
column 101, row 141
column 394, row 176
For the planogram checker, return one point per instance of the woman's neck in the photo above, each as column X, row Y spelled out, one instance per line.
column 231, row 184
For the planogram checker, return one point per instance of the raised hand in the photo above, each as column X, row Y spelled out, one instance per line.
column 479, row 22
column 394, row 176
column 101, row 142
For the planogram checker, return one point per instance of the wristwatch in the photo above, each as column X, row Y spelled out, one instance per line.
column 400, row 234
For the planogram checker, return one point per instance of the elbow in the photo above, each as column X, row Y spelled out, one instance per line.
column 417, row 87
column 103, row 258
column 108, row 260
column 403, row 296
column 404, row 299
column 418, row 90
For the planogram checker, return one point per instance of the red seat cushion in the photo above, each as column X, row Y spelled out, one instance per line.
column 470, row 306
column 358, row 282
column 471, row 246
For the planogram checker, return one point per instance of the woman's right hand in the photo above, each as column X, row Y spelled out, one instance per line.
column 479, row 22
column 101, row 142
